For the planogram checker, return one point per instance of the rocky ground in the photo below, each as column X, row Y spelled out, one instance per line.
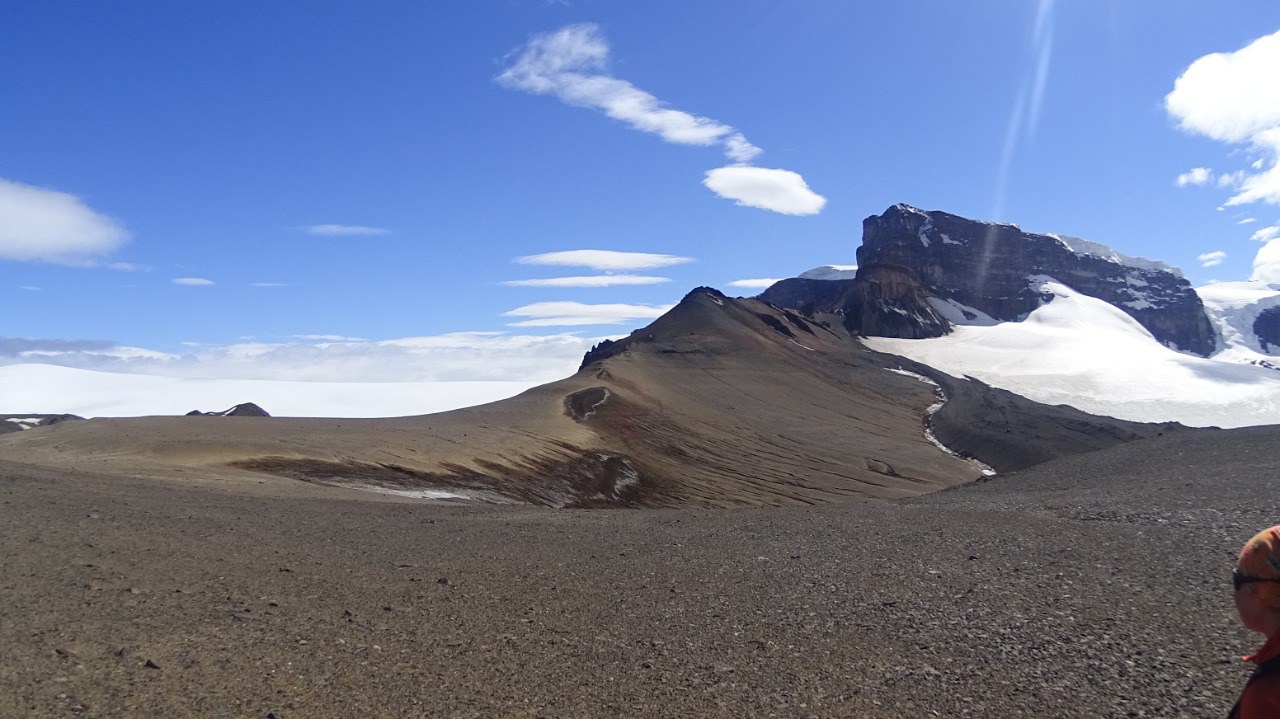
column 1092, row 586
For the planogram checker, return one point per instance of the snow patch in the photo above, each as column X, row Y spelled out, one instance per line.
column 931, row 410
column 830, row 272
column 410, row 493
column 1081, row 351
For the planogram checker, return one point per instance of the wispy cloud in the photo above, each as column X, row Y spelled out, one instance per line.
column 590, row 281
column 1247, row 221
column 780, row 191
column 1266, row 233
column 1211, row 259
column 345, row 231
column 757, row 284
column 41, row 224
column 192, row 281
column 128, row 267
column 31, row 288
column 572, row 64
column 1234, row 98
column 559, row 314
column 605, row 260
column 269, row 284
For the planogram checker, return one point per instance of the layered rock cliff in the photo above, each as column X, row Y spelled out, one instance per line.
column 914, row 264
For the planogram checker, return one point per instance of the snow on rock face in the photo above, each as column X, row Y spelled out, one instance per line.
column 1081, row 351
column 1096, row 249
column 50, row 388
column 830, row 272
column 1240, row 312
column 985, row 266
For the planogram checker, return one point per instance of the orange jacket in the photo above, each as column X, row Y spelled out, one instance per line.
column 1261, row 696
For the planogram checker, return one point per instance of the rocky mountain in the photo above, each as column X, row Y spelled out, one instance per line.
column 916, row 269
column 19, row 422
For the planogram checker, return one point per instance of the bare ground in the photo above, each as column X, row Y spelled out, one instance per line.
column 1091, row 586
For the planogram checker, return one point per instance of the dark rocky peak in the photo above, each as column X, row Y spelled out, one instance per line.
column 247, row 409
column 698, row 311
column 909, row 256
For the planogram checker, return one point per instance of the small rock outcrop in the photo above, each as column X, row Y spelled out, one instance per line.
column 19, row 422
column 247, row 409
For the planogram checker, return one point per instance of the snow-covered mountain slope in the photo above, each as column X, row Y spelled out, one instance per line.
column 51, row 389
column 1234, row 309
column 1081, row 351
column 830, row 272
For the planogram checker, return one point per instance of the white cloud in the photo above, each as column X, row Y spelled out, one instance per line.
column 192, row 281
column 460, row 356
column 1195, row 176
column 1234, row 98
column 41, row 224
column 1211, row 259
column 605, row 260
column 345, row 230
column 591, row 281
column 329, row 338
column 1266, row 265
column 554, row 314
column 780, row 191
column 1266, row 233
column 758, row 284
column 572, row 64
column 31, row 288
column 269, row 284
column 1247, row 220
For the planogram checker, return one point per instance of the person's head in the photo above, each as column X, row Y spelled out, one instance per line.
column 1257, row 582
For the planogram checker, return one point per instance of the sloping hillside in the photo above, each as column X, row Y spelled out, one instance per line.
column 720, row 402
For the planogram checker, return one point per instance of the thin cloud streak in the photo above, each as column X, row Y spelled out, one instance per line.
column 345, row 231
column 604, row 260
column 756, row 284
column 564, row 314
column 589, row 281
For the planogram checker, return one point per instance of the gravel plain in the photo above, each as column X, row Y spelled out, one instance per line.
column 1091, row 586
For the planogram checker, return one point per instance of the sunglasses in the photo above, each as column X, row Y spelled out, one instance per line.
column 1239, row 580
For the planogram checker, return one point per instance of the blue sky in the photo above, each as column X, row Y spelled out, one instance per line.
column 214, row 134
